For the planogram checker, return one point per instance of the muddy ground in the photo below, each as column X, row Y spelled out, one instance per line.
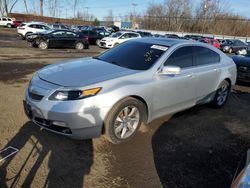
column 199, row 147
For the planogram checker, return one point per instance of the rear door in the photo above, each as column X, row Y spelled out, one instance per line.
column 56, row 39
column 207, row 70
column 70, row 39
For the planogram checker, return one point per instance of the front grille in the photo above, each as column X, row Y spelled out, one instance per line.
column 35, row 96
column 243, row 73
column 48, row 124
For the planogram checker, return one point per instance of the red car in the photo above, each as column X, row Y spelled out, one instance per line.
column 17, row 23
column 213, row 42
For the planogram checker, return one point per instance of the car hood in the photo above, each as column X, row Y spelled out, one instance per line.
column 82, row 72
column 241, row 60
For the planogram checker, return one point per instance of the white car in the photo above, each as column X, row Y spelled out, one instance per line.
column 7, row 22
column 32, row 27
column 117, row 38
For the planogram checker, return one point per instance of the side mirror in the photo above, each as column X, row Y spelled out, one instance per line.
column 170, row 70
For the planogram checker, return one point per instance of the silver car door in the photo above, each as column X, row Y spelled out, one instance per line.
column 207, row 69
column 177, row 92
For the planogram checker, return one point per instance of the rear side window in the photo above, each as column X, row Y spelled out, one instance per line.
column 182, row 57
column 9, row 19
column 205, row 56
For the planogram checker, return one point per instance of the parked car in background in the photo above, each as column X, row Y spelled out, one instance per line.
column 58, row 26
column 58, row 39
column 243, row 67
column 214, row 42
column 144, row 34
column 118, row 38
column 6, row 22
column 159, row 36
column 93, row 36
column 174, row 36
column 17, row 23
column 26, row 29
column 242, row 175
column 234, row 46
column 137, row 81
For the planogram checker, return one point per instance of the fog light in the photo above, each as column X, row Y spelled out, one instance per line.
column 59, row 123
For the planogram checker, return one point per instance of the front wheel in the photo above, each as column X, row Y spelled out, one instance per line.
column 9, row 25
column 221, row 94
column 124, row 119
column 43, row 45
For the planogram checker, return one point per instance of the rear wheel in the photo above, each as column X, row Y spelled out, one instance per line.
column 9, row 25
column 79, row 46
column 222, row 94
column 124, row 119
column 27, row 34
column 43, row 45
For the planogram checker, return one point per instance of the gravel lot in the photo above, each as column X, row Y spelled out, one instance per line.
column 199, row 147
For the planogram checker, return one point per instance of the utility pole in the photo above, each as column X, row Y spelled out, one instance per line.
column 206, row 5
column 133, row 20
column 87, row 13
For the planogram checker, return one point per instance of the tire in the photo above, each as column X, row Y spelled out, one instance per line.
column 79, row 46
column 97, row 42
column 230, row 50
column 120, row 127
column 116, row 44
column 9, row 25
column 27, row 34
column 43, row 45
column 221, row 95
column 31, row 44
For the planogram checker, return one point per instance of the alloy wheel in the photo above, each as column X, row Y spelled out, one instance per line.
column 126, row 122
column 222, row 94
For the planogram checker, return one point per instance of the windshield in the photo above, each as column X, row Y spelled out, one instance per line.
column 134, row 55
column 115, row 35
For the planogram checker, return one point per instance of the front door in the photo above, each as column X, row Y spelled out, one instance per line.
column 177, row 92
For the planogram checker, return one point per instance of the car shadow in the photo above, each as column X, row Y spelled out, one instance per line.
column 68, row 160
column 201, row 147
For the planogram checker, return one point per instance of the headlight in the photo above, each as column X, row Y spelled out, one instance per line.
column 63, row 95
column 243, row 179
column 226, row 47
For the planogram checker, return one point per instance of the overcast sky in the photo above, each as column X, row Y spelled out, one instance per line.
column 100, row 8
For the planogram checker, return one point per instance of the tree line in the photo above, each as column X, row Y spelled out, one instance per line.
column 207, row 16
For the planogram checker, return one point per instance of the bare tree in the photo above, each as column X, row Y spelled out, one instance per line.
column 41, row 7
column 26, row 6
column 75, row 4
column 6, row 6
column 109, row 19
column 52, row 7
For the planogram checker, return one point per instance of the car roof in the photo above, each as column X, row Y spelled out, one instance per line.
column 163, row 41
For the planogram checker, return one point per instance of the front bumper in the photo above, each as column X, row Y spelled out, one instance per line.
column 104, row 44
column 79, row 119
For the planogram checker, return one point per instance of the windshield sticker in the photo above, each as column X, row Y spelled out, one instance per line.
column 158, row 47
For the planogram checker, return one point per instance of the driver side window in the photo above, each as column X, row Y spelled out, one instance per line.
column 182, row 57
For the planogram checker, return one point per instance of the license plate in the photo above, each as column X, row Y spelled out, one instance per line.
column 27, row 109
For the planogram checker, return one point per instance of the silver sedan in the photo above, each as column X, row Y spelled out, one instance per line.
column 137, row 81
